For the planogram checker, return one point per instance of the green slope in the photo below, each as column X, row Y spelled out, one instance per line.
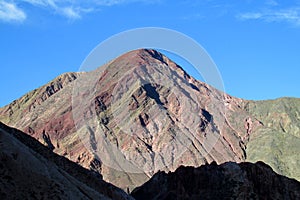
column 277, row 142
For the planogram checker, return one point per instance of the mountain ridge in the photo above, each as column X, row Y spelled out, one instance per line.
column 152, row 89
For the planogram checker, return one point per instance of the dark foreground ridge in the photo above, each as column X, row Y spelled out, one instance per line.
column 29, row 170
column 227, row 181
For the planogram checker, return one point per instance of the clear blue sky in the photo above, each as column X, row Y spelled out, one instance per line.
column 255, row 43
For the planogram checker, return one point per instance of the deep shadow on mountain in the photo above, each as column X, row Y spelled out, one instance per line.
column 29, row 170
column 226, row 181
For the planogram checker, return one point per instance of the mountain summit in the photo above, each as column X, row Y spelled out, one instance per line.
column 139, row 114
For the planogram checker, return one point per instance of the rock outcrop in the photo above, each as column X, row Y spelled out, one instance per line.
column 226, row 181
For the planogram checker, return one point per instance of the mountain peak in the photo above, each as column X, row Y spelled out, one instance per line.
column 154, row 115
column 149, row 58
column 144, row 54
column 150, row 111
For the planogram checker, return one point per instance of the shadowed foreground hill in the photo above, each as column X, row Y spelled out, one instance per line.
column 29, row 170
column 226, row 181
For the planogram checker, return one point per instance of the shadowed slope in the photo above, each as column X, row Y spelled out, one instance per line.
column 226, row 181
column 29, row 170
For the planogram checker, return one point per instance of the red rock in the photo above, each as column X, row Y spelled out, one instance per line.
column 143, row 106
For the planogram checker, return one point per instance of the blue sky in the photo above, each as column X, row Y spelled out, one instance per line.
column 255, row 43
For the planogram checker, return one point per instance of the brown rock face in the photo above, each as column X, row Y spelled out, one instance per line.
column 134, row 116
column 29, row 170
column 226, row 181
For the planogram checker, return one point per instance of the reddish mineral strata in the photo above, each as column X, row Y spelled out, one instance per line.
column 143, row 101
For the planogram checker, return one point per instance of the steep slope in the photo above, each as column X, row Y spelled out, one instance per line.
column 19, row 108
column 277, row 142
column 154, row 117
column 136, row 115
column 227, row 181
column 28, row 170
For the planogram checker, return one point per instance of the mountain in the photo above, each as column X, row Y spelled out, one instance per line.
column 142, row 113
column 29, row 170
column 226, row 181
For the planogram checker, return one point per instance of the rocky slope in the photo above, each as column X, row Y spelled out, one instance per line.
column 142, row 113
column 29, row 170
column 277, row 142
column 227, row 181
